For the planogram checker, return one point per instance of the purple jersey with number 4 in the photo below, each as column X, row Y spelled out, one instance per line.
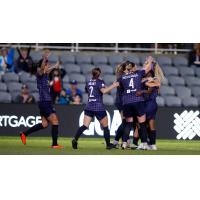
column 95, row 96
column 131, row 83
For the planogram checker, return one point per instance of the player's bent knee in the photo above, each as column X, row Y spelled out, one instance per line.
column 45, row 124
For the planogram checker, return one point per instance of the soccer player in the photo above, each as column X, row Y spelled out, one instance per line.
column 133, row 105
column 95, row 107
column 153, row 81
column 120, row 70
column 45, row 104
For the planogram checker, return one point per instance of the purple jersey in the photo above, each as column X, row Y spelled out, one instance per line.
column 153, row 94
column 95, row 96
column 43, row 87
column 130, row 83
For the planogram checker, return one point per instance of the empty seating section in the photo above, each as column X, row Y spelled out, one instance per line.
column 181, row 86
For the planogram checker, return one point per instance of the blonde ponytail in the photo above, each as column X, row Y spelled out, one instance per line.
column 159, row 73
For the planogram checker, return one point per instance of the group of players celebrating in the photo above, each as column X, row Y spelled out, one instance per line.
column 137, row 90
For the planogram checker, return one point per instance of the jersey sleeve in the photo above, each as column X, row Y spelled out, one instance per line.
column 142, row 72
column 121, row 88
column 101, row 84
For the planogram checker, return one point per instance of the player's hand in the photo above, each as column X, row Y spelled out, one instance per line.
column 139, row 93
column 115, row 84
column 150, row 79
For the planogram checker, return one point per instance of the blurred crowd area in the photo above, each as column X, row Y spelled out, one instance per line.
column 18, row 82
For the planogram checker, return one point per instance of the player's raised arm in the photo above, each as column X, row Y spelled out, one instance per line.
column 154, row 83
column 109, row 88
column 50, row 68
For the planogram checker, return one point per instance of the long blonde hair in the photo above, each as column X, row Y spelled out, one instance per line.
column 159, row 73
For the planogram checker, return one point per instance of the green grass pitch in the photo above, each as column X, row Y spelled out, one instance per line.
column 91, row 146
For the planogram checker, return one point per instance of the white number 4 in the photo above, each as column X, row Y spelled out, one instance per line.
column 131, row 84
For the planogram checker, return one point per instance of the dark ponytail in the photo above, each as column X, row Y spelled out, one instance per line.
column 96, row 72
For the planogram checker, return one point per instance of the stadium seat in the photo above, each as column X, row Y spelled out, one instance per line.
column 11, row 77
column 106, row 69
column 83, row 59
column 86, row 68
column 167, row 91
column 85, row 98
column 160, row 101
column 0, row 77
column 143, row 59
column 183, row 92
column 14, row 96
column 169, row 70
column 108, row 99
column 99, row 59
column 88, row 77
column 172, row 101
column 81, row 86
column 36, row 96
column 65, row 79
column 176, row 80
column 5, row 97
column 165, row 82
column 36, row 55
column 24, row 77
column 192, row 81
column 14, row 87
column 164, row 61
column 195, row 91
column 186, row 71
column 72, row 68
column 132, row 58
column 115, row 59
column 67, row 59
column 3, row 87
column 113, row 92
column 53, row 58
column 109, row 79
column 197, row 71
column 27, row 78
column 190, row 101
column 180, row 61
column 32, row 87
column 78, row 77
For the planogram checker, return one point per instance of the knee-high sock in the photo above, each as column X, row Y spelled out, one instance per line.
column 54, row 134
column 143, row 132
column 127, row 130
column 152, row 137
column 106, row 133
column 35, row 128
column 120, row 130
column 79, row 132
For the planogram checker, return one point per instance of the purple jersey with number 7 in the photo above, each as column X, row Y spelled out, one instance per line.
column 95, row 96
column 131, row 83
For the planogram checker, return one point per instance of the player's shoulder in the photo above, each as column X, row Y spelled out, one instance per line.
column 141, row 71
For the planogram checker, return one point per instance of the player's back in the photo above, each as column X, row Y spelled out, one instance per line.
column 95, row 96
column 43, row 87
column 131, row 83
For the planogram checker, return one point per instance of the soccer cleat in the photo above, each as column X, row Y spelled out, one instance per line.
column 124, row 145
column 74, row 144
column 23, row 138
column 110, row 146
column 143, row 146
column 134, row 147
column 153, row 147
column 57, row 147
column 116, row 146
